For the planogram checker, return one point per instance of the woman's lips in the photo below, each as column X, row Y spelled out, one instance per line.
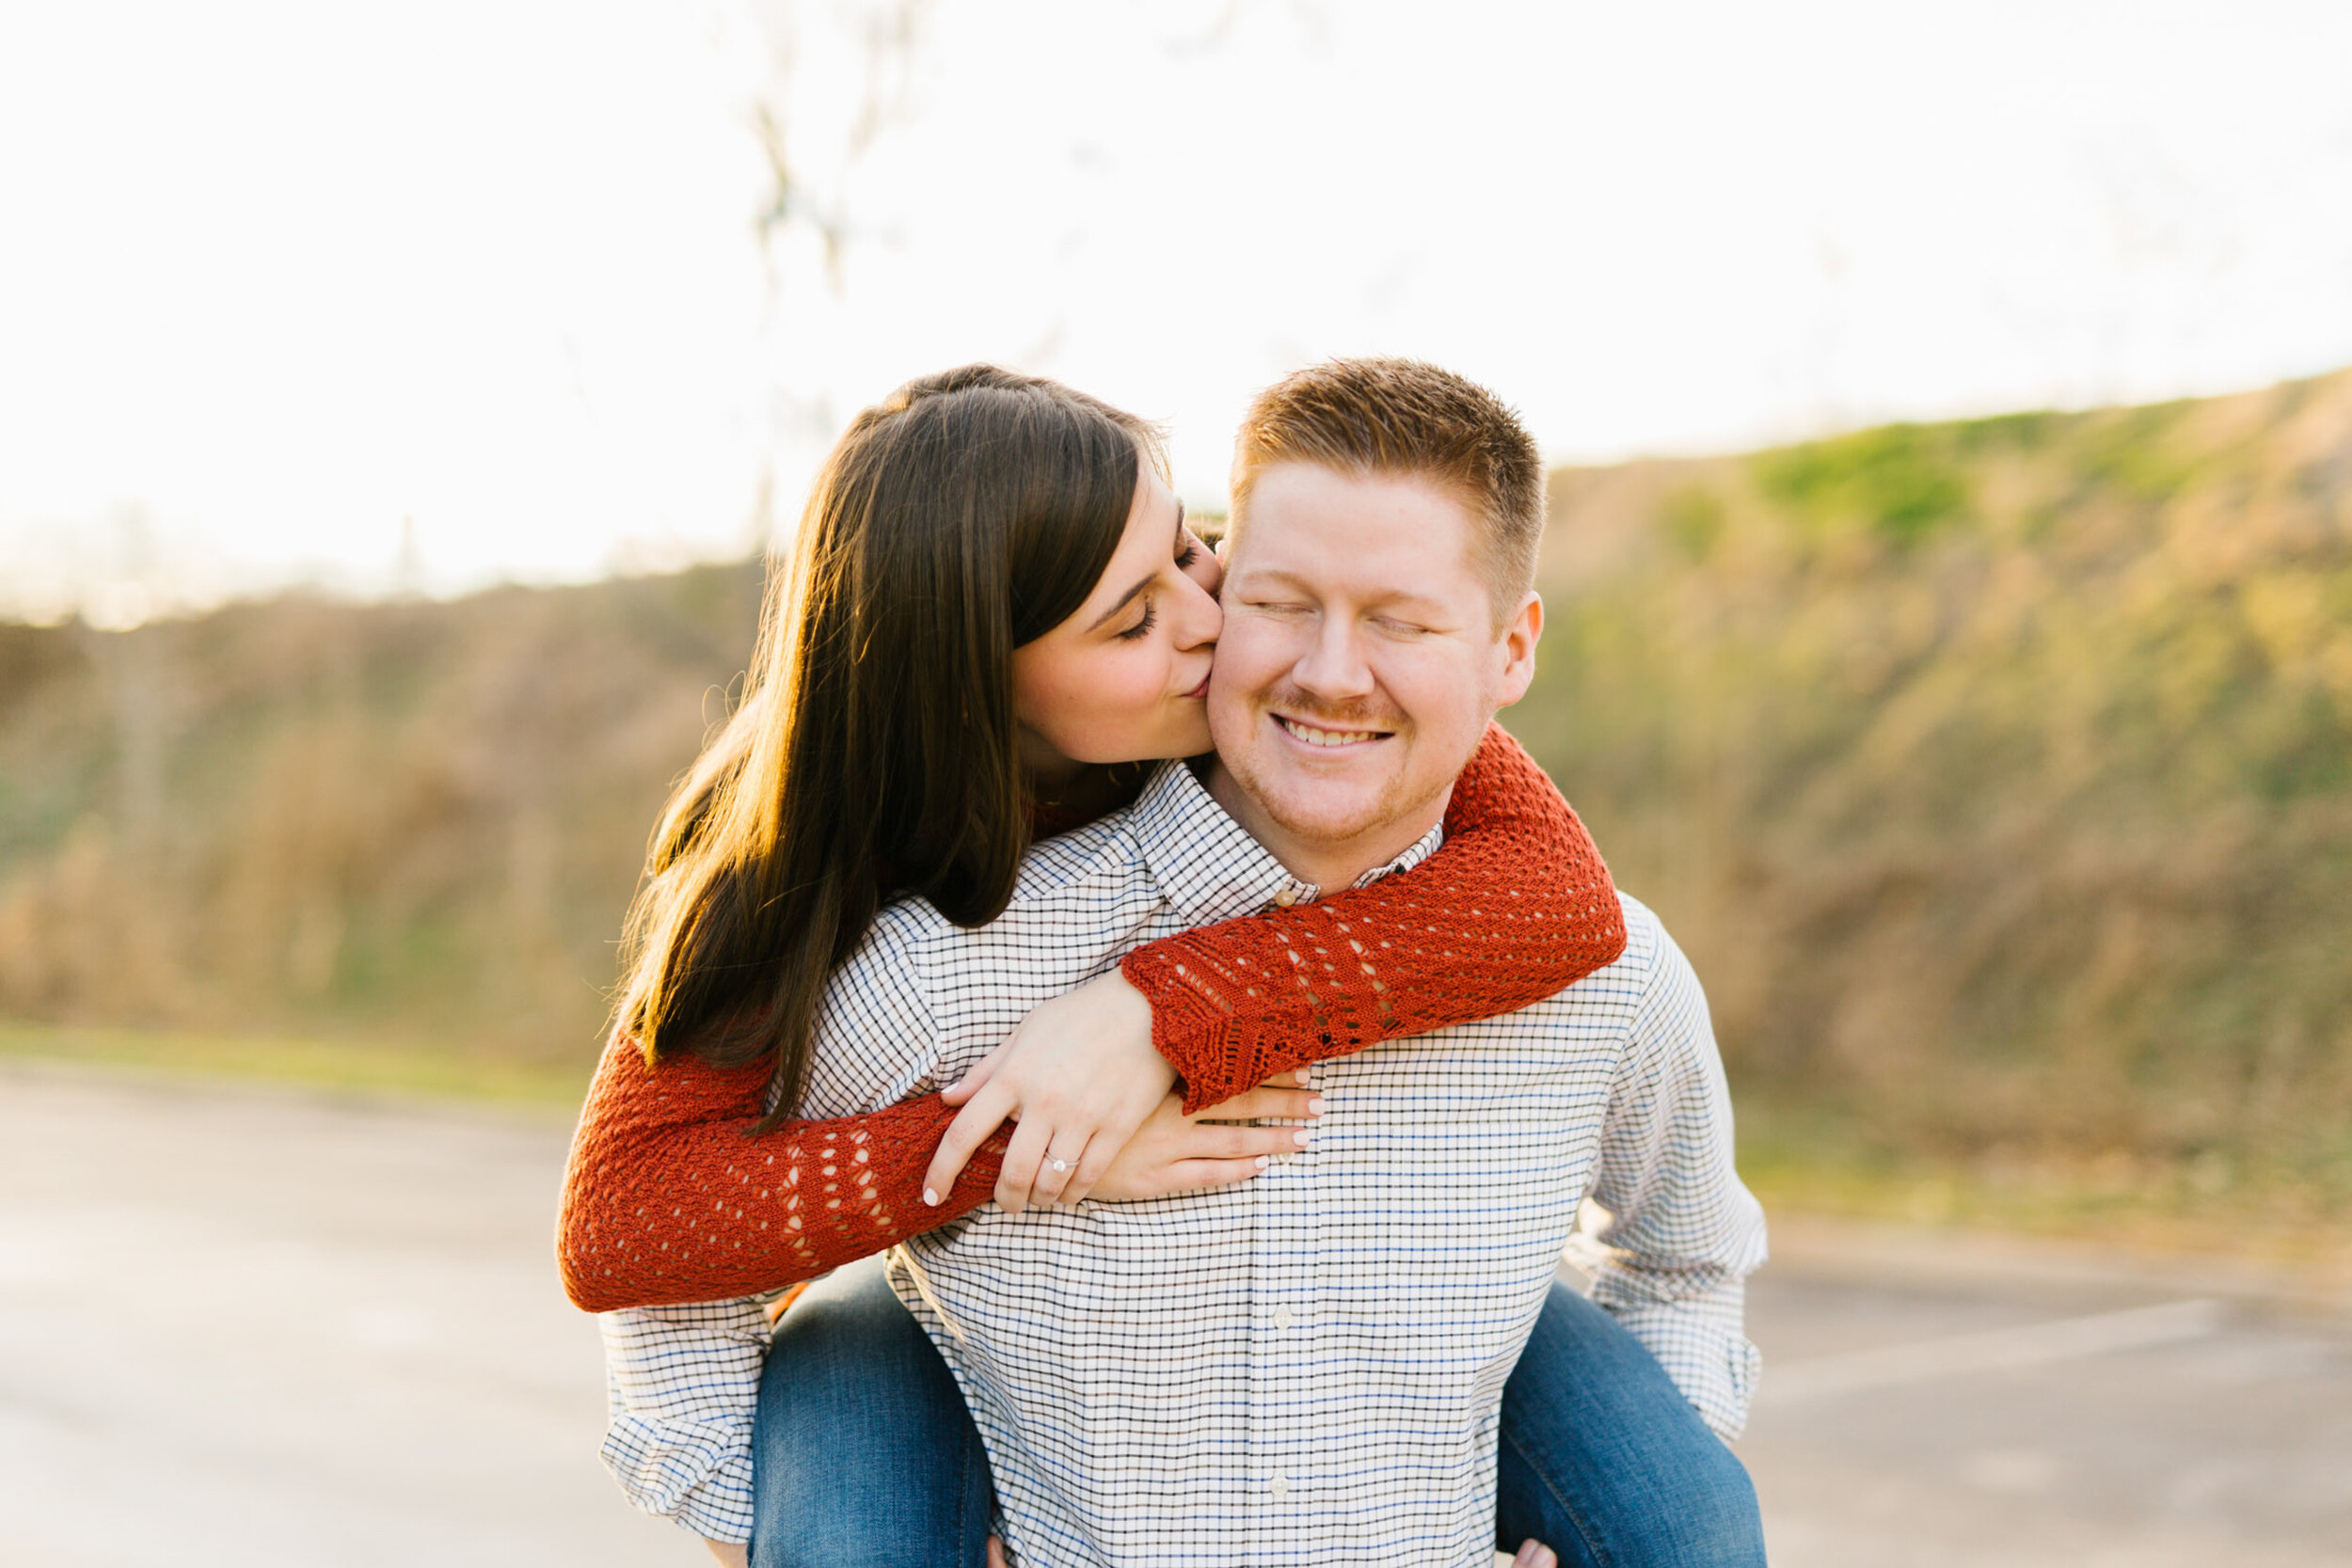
column 1200, row 691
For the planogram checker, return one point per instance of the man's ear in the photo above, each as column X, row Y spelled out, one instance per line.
column 1518, row 640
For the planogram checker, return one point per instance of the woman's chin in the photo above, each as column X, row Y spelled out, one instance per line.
column 1188, row 737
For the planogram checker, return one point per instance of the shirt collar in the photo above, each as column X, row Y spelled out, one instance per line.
column 1207, row 864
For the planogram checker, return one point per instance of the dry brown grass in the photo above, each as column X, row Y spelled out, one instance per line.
column 398, row 822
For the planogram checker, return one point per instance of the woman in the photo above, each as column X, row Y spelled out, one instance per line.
column 985, row 614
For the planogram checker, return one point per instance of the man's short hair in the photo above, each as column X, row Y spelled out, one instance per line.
column 1399, row 418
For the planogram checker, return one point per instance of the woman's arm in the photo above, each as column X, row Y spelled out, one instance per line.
column 669, row 1199
column 1513, row 906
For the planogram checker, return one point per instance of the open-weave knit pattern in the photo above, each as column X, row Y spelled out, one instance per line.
column 1514, row 906
column 668, row 1198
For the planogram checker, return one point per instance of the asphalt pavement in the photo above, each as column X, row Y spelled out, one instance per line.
column 274, row 1329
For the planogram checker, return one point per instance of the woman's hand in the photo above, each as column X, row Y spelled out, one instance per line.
column 1172, row 1153
column 733, row 1553
column 1081, row 1075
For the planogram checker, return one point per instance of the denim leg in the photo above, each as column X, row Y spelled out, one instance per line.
column 1605, row 1462
column 863, row 1451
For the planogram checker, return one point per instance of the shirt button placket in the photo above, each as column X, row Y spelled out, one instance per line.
column 1267, row 1239
column 1291, row 1320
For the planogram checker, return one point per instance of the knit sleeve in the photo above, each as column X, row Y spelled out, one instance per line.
column 668, row 1198
column 1515, row 905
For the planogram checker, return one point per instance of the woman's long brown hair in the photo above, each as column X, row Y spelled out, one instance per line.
column 969, row 512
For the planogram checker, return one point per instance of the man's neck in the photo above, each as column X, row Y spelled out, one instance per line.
column 1331, row 865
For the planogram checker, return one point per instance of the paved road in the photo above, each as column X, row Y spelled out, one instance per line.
column 256, row 1328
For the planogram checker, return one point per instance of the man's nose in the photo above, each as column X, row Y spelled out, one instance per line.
column 1334, row 667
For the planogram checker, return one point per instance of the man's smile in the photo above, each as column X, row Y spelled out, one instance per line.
column 1321, row 734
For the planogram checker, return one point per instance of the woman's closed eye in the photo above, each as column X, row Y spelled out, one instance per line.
column 1150, row 618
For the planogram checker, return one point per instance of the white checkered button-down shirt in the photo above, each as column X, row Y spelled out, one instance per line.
column 1306, row 1368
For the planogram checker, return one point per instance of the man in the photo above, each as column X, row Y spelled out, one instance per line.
column 1307, row 1368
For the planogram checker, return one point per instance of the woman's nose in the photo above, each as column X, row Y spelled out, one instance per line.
column 1199, row 618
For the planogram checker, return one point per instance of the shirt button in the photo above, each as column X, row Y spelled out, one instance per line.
column 1286, row 897
column 1282, row 1317
column 1281, row 1487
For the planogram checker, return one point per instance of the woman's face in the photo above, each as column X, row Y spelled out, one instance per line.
column 1124, row 677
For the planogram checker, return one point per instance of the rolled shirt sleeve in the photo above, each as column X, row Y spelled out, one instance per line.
column 1684, row 1234
column 684, row 1384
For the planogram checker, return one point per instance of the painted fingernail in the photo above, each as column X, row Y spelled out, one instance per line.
column 1263, row 1161
column 930, row 1197
column 1314, row 1106
column 1299, row 1137
column 1300, row 1076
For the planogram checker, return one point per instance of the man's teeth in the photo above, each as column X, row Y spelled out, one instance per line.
column 1325, row 737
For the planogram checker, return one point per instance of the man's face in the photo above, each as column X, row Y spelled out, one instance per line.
column 1361, row 662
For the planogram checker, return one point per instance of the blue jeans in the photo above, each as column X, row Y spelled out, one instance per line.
column 864, row 1453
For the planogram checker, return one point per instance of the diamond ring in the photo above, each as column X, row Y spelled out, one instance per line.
column 1059, row 1164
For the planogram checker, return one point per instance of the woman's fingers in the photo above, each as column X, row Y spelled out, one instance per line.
column 1184, row 1175
column 1232, row 1143
column 982, row 1071
column 972, row 1127
column 1118, row 1124
column 1021, row 1160
column 1063, row 1153
column 1101, row 1151
column 1535, row 1554
column 1252, row 1104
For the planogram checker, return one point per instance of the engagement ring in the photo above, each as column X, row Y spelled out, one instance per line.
column 1059, row 1164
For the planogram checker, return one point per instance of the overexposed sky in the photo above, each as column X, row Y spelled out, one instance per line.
column 435, row 294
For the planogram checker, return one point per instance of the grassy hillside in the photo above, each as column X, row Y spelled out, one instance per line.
column 1997, row 776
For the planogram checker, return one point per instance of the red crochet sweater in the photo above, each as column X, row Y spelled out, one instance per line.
column 668, row 1198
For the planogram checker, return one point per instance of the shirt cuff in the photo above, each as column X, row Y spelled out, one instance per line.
column 697, row 1475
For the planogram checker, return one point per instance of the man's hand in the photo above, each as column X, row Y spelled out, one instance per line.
column 1535, row 1554
column 1080, row 1074
column 733, row 1553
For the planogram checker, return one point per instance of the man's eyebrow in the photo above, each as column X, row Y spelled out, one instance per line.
column 1399, row 597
